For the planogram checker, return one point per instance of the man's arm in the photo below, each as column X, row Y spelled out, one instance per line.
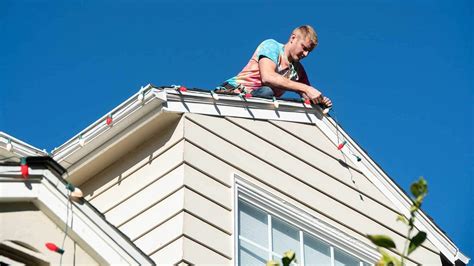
column 303, row 78
column 274, row 80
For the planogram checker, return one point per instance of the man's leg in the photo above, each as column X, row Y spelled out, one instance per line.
column 263, row 92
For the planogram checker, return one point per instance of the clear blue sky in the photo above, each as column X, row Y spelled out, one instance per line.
column 400, row 74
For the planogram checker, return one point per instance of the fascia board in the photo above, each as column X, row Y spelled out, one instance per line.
column 118, row 113
column 49, row 194
column 99, row 132
column 256, row 108
column 100, row 146
column 19, row 148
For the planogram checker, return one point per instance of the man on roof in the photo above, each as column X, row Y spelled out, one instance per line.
column 275, row 68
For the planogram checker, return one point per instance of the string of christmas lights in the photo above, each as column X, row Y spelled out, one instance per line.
column 339, row 147
column 72, row 194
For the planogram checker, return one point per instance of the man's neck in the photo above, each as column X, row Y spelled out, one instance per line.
column 286, row 55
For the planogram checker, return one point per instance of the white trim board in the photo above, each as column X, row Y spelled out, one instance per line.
column 18, row 148
column 278, row 207
column 90, row 230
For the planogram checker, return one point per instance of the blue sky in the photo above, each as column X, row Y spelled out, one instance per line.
column 400, row 74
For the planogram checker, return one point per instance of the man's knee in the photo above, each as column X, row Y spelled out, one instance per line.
column 265, row 92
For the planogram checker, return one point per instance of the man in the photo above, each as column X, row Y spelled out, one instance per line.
column 275, row 68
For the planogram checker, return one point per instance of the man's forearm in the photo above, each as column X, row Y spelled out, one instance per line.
column 275, row 80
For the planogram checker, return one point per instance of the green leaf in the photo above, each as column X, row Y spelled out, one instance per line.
column 272, row 263
column 419, row 188
column 387, row 259
column 382, row 241
column 402, row 219
column 416, row 241
column 288, row 257
column 396, row 261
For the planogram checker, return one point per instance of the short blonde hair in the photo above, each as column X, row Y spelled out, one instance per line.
column 307, row 31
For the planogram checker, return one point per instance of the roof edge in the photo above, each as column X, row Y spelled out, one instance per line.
column 17, row 147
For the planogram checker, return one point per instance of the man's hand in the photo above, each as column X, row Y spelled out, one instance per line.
column 316, row 97
column 313, row 94
column 327, row 102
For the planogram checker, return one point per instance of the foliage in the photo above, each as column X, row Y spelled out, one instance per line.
column 419, row 190
column 288, row 257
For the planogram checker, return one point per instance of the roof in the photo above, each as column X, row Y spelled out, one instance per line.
column 12, row 149
column 151, row 102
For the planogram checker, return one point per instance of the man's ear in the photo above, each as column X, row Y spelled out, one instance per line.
column 293, row 37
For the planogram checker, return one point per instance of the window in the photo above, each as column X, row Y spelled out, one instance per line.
column 267, row 227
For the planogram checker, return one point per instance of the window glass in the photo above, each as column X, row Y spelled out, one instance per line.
column 251, row 255
column 341, row 259
column 255, row 227
column 284, row 238
column 316, row 252
column 253, row 224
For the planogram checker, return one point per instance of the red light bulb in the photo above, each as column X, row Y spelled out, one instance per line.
column 340, row 146
column 53, row 247
column 24, row 168
column 108, row 121
column 306, row 101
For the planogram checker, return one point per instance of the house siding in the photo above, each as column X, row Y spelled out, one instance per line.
column 173, row 194
column 309, row 173
column 164, row 205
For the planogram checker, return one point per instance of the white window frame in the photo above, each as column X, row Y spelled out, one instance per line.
column 295, row 216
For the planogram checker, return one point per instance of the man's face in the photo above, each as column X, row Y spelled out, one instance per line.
column 300, row 47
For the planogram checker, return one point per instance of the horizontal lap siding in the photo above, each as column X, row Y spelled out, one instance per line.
column 153, row 217
column 139, row 179
column 161, row 236
column 133, row 161
column 170, row 254
column 311, row 134
column 208, row 235
column 147, row 197
column 165, row 205
column 313, row 157
column 198, row 254
column 208, row 210
column 331, row 198
column 190, row 226
column 192, row 252
column 214, row 189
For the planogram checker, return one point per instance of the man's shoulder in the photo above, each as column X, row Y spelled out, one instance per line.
column 270, row 48
column 271, row 42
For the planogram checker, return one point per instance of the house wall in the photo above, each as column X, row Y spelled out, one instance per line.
column 142, row 193
column 25, row 223
column 297, row 163
column 173, row 194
